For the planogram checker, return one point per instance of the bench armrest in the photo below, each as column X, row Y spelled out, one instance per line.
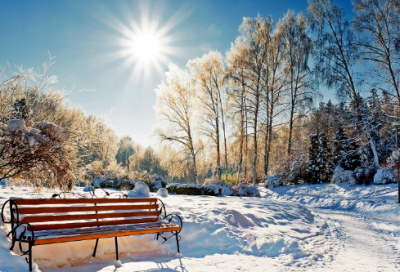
column 171, row 216
column 20, row 236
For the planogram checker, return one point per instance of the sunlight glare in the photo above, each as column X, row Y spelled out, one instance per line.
column 146, row 46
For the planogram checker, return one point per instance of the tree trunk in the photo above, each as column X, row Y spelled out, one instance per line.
column 289, row 151
column 196, row 179
column 255, row 139
column 218, row 148
column 241, row 138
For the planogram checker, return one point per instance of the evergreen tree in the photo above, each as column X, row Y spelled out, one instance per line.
column 319, row 164
column 345, row 152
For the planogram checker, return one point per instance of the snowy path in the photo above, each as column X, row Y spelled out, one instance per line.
column 364, row 248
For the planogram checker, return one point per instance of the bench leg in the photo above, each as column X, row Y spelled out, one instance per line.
column 116, row 248
column 30, row 256
column 177, row 242
column 95, row 248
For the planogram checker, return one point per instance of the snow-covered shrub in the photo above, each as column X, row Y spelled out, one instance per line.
column 385, row 175
column 273, row 181
column 393, row 162
column 156, row 183
column 291, row 170
column 343, row 176
column 220, row 186
column 141, row 190
column 162, row 192
column 192, row 189
column 244, row 190
column 36, row 152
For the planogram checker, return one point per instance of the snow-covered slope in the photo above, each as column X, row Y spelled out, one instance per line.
column 373, row 200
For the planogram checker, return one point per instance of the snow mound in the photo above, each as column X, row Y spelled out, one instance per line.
column 117, row 263
column 343, row 176
column 385, row 175
column 141, row 190
column 162, row 192
column 236, row 219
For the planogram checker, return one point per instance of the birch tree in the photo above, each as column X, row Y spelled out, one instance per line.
column 236, row 61
column 298, row 48
column 256, row 36
column 209, row 74
column 176, row 108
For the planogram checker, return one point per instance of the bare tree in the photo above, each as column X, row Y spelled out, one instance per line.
column 378, row 22
column 298, row 46
column 336, row 55
column 274, row 78
column 175, row 107
column 236, row 61
column 209, row 75
column 256, row 37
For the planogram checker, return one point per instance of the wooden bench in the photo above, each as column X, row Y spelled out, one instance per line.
column 48, row 221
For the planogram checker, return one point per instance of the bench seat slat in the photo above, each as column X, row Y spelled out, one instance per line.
column 86, row 209
column 92, row 224
column 95, row 233
column 48, row 201
column 72, row 217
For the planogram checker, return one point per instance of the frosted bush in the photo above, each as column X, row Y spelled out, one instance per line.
column 244, row 190
column 385, row 175
column 36, row 152
column 273, row 181
column 343, row 176
column 291, row 170
column 141, row 190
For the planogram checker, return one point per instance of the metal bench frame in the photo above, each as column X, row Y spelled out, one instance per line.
column 30, row 240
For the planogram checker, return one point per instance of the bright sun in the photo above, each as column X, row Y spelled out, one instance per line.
column 146, row 46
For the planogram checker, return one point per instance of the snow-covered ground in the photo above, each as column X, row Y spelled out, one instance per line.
column 292, row 228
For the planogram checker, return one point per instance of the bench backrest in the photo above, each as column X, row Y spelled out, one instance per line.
column 47, row 214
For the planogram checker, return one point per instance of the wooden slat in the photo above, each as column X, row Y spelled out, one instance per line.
column 92, row 224
column 49, row 201
column 44, row 241
column 72, row 217
column 85, row 209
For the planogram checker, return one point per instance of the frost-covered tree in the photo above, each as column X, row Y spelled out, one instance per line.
column 125, row 150
column 209, row 74
column 176, row 108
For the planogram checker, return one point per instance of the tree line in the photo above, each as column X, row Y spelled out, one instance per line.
column 254, row 108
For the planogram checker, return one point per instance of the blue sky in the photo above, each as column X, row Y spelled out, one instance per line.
column 85, row 37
